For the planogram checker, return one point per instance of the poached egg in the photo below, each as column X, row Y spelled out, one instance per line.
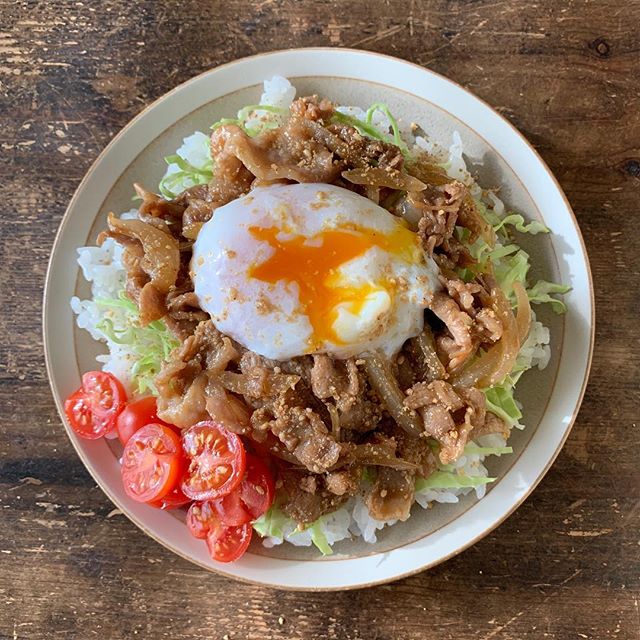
column 289, row 270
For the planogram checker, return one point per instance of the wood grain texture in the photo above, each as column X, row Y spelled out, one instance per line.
column 566, row 564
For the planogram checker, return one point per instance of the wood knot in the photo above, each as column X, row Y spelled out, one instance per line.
column 631, row 167
column 601, row 48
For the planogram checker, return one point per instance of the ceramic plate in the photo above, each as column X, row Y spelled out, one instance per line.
column 499, row 155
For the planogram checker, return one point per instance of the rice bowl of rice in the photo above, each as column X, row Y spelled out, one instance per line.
column 348, row 546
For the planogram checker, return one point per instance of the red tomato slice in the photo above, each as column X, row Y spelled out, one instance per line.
column 201, row 518
column 92, row 409
column 152, row 463
column 173, row 500
column 227, row 544
column 135, row 416
column 257, row 490
column 216, row 460
column 232, row 510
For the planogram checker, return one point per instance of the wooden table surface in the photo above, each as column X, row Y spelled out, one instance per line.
column 566, row 564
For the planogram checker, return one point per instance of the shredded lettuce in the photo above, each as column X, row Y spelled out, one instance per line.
column 150, row 345
column 449, row 480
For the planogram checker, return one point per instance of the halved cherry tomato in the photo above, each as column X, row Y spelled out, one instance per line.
column 173, row 500
column 257, row 489
column 135, row 416
column 152, row 463
column 92, row 409
column 216, row 460
column 227, row 544
column 201, row 517
column 232, row 510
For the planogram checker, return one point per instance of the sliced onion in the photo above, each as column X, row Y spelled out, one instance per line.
column 424, row 345
column 384, row 383
column 377, row 455
column 428, row 172
column 335, row 420
column 470, row 218
column 379, row 177
column 493, row 365
column 523, row 315
column 259, row 384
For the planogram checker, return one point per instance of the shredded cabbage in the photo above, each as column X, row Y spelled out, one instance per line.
column 500, row 401
column 319, row 539
column 397, row 138
column 255, row 119
column 473, row 448
column 271, row 524
column 276, row 524
column 366, row 126
column 192, row 163
column 450, row 480
column 149, row 345
column 362, row 127
column 517, row 221
column 540, row 294
column 189, row 166
column 510, row 262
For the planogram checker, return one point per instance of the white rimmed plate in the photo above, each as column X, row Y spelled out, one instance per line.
column 500, row 156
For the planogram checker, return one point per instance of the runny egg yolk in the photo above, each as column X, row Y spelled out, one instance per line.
column 311, row 262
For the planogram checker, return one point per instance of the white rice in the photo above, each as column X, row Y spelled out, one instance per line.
column 103, row 268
